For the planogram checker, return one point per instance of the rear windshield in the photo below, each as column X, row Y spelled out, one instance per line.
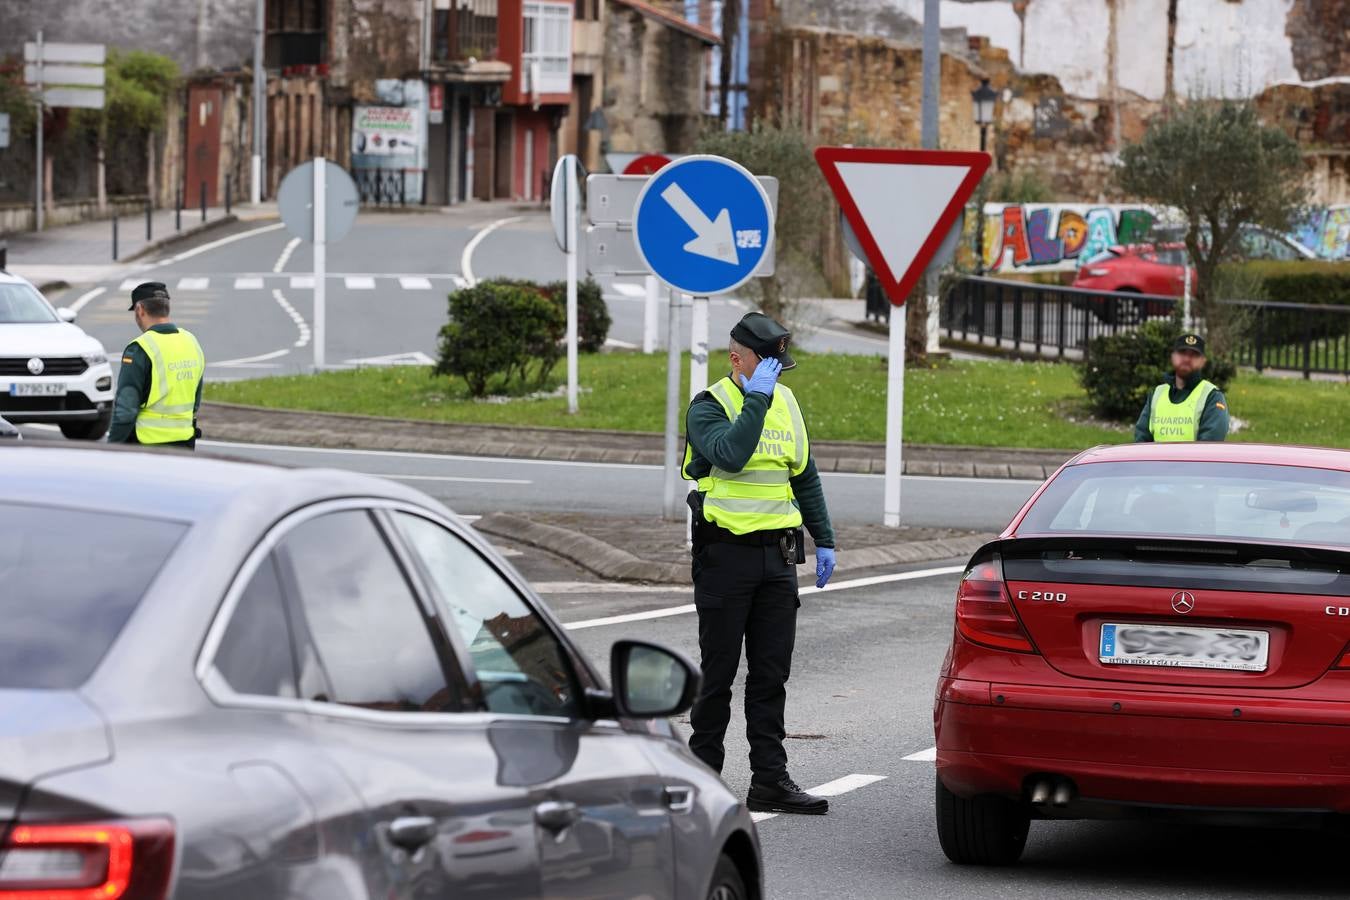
column 21, row 305
column 1238, row 501
column 69, row 580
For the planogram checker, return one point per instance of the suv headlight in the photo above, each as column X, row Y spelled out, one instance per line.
column 94, row 359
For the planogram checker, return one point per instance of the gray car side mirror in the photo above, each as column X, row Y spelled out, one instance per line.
column 651, row 681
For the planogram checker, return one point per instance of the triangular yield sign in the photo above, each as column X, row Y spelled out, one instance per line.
column 901, row 204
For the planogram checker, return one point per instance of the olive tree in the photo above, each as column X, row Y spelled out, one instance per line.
column 1223, row 169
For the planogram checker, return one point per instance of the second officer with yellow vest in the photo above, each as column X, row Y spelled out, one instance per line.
column 159, row 387
column 757, row 486
column 1187, row 407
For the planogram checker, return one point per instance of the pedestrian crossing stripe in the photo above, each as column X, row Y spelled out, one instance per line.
column 251, row 282
column 193, row 284
column 302, row 282
column 414, row 283
column 359, row 283
column 248, row 284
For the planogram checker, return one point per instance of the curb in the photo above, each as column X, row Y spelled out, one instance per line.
column 187, row 234
column 613, row 564
column 344, row 431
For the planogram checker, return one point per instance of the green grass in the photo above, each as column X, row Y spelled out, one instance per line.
column 990, row 404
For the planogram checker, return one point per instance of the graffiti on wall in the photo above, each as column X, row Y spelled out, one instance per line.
column 1326, row 232
column 1058, row 236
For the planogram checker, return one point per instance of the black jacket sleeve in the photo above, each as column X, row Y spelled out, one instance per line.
column 133, row 389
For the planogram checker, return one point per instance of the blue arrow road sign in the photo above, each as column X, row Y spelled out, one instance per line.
column 703, row 224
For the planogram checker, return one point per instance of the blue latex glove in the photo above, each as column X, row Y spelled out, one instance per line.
column 824, row 565
column 765, row 377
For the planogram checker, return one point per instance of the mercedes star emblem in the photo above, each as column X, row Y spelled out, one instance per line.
column 35, row 366
column 1183, row 601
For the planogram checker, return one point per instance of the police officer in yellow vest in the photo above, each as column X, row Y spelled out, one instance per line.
column 757, row 485
column 159, row 387
column 1188, row 408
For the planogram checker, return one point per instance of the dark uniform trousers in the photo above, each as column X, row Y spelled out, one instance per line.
column 744, row 594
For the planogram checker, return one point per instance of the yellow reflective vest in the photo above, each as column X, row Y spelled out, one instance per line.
column 1170, row 422
column 759, row 497
column 177, row 365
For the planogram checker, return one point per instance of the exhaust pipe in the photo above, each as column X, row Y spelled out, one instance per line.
column 1040, row 792
column 1063, row 793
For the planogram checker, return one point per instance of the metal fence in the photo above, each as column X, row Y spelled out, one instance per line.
column 1045, row 320
column 1040, row 318
column 383, row 186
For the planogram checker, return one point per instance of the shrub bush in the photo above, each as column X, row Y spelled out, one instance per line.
column 593, row 319
column 1118, row 371
column 500, row 330
column 1302, row 281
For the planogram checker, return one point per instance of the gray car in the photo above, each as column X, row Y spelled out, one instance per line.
column 228, row 680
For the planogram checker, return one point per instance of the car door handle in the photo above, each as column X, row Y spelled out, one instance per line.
column 556, row 816
column 412, row 832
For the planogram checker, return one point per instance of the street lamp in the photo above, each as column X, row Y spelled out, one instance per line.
column 983, row 98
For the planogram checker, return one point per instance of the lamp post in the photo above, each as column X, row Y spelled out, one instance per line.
column 983, row 98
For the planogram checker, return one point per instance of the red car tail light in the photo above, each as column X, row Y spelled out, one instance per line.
column 128, row 860
column 1344, row 661
column 984, row 612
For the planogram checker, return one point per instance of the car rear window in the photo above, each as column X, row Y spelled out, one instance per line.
column 21, row 305
column 69, row 580
column 1238, row 501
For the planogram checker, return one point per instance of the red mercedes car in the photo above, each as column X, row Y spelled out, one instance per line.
column 1162, row 631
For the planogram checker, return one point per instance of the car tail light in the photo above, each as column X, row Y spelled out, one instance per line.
column 126, row 860
column 984, row 612
column 1344, row 661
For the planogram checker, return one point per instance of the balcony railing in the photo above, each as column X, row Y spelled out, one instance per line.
column 467, row 30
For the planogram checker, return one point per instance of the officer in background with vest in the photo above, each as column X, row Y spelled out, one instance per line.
column 1189, row 408
column 757, row 485
column 159, row 388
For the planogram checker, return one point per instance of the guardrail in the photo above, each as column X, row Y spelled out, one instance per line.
column 1046, row 320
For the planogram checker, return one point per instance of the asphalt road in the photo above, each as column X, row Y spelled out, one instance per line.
column 860, row 703
column 477, row 485
column 246, row 291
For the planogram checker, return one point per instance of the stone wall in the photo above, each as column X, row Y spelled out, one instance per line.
column 653, row 83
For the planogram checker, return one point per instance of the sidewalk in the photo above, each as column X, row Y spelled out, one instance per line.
column 82, row 253
column 650, row 550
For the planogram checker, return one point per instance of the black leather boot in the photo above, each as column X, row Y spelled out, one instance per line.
column 784, row 796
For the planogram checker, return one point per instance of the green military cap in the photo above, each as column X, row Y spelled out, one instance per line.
column 764, row 336
column 1192, row 342
column 150, row 290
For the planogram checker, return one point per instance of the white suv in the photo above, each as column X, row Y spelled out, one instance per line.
column 50, row 370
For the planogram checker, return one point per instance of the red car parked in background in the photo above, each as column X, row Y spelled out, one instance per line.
column 1137, row 269
column 1162, row 632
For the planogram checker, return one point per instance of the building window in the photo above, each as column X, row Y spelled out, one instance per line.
column 464, row 29
column 296, row 34
column 588, row 10
column 546, row 62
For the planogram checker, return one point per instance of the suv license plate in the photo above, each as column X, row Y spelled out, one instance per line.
column 40, row 389
column 1184, row 646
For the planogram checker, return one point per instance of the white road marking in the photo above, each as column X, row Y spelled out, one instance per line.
column 301, row 325
column 248, row 283
column 466, row 260
column 622, row 345
column 83, row 299
column 466, row 479
column 188, row 254
column 193, row 284
column 929, row 755
column 285, row 256
column 302, row 282
column 359, row 282
column 414, row 283
column 606, row 587
column 408, row 454
column 830, row 789
column 809, row 589
column 508, row 553
column 415, row 358
column 247, row 360
column 127, row 285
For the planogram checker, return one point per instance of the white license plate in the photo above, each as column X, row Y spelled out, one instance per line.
column 1184, row 646
column 39, row 389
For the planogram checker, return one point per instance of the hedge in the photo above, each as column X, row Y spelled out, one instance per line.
column 1303, row 281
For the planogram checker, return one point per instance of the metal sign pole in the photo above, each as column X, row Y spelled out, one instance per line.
column 37, row 197
column 698, row 348
column 649, row 314
column 895, row 417
column 259, row 102
column 670, row 506
column 320, row 260
column 573, row 210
